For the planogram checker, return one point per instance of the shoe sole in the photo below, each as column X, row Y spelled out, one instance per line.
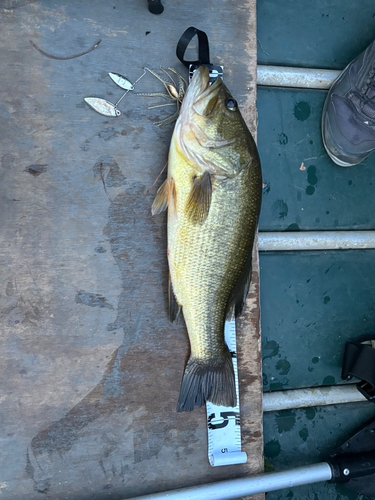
column 335, row 159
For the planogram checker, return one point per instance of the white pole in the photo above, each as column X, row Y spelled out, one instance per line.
column 307, row 78
column 314, row 396
column 246, row 486
column 316, row 240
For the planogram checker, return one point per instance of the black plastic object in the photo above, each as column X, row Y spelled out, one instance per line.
column 359, row 362
column 354, row 462
column 155, row 6
column 203, row 53
column 203, row 47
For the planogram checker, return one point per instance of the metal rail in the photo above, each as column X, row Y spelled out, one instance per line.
column 314, row 396
column 246, row 486
column 316, row 240
column 306, row 78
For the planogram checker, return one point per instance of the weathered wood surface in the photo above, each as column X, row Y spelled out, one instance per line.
column 90, row 366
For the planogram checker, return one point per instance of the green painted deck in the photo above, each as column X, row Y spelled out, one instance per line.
column 312, row 302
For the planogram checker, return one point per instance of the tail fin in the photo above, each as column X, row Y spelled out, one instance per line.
column 211, row 380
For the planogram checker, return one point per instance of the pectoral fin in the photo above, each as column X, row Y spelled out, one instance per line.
column 161, row 199
column 199, row 201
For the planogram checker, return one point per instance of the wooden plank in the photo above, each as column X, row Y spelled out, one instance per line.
column 90, row 366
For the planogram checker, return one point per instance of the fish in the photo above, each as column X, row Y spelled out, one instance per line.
column 213, row 195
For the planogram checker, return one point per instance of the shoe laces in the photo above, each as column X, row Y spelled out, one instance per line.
column 366, row 95
column 369, row 84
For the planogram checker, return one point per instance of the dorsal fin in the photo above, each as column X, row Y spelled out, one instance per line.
column 199, row 201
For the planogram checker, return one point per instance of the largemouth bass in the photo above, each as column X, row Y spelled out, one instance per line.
column 213, row 194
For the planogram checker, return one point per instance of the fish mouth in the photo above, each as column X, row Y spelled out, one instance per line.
column 201, row 96
column 205, row 95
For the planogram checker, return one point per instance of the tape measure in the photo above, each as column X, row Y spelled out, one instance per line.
column 223, row 422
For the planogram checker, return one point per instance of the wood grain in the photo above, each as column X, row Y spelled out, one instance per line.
column 90, row 366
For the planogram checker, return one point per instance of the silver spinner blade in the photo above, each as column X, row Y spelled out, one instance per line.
column 121, row 81
column 102, row 106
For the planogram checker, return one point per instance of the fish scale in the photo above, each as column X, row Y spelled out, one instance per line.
column 203, row 291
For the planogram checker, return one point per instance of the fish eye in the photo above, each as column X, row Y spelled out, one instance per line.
column 231, row 104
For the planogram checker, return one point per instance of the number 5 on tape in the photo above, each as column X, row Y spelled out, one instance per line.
column 224, row 425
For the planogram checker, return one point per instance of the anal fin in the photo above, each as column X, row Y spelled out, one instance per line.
column 174, row 306
column 238, row 297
